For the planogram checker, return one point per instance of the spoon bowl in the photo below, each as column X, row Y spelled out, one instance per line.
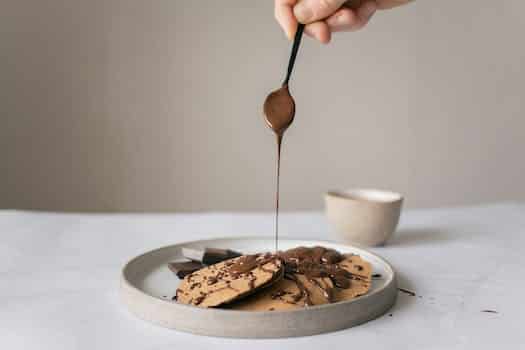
column 279, row 109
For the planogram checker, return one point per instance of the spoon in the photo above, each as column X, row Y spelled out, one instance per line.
column 279, row 106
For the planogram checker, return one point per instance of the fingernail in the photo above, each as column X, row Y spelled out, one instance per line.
column 338, row 20
column 303, row 11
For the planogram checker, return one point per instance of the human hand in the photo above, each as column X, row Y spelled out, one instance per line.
column 324, row 17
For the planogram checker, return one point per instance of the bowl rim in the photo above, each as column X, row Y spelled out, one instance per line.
column 365, row 195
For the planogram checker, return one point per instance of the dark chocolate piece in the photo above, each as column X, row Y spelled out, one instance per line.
column 215, row 255
column 184, row 268
column 209, row 256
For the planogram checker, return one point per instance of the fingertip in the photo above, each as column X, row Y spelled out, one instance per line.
column 319, row 30
column 326, row 36
column 326, row 41
column 291, row 29
column 349, row 20
column 284, row 15
column 309, row 11
column 345, row 19
column 303, row 12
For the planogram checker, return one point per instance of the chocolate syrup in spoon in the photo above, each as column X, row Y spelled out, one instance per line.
column 279, row 109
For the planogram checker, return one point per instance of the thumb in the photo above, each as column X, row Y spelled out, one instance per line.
column 308, row 11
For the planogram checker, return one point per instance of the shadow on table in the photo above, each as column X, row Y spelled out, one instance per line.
column 417, row 236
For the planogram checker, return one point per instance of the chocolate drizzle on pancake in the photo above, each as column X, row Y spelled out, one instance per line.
column 247, row 263
column 300, row 277
column 315, row 264
column 303, row 291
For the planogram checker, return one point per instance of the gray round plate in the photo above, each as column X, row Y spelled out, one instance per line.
column 147, row 286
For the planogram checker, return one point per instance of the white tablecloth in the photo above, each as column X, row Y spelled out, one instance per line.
column 59, row 279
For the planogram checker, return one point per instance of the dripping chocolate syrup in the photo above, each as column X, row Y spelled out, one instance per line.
column 279, row 109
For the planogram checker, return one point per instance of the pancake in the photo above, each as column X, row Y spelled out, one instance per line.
column 292, row 292
column 313, row 276
column 361, row 281
column 229, row 280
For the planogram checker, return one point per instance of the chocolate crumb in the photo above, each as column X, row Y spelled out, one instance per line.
column 490, row 311
column 271, row 309
column 278, row 294
column 406, row 291
column 194, row 285
column 199, row 299
column 376, row 275
column 390, row 315
column 359, row 267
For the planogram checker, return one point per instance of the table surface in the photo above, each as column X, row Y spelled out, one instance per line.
column 59, row 279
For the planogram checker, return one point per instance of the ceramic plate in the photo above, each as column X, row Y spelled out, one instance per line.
column 147, row 286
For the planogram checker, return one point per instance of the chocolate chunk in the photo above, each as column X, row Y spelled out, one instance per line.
column 215, row 255
column 209, row 256
column 184, row 268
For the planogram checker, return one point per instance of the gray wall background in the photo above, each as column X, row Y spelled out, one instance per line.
column 131, row 105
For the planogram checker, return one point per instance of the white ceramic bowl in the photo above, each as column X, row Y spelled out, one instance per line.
column 364, row 216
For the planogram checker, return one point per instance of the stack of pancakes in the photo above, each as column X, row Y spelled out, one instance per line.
column 293, row 279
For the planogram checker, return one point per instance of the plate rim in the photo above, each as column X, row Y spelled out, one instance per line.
column 124, row 282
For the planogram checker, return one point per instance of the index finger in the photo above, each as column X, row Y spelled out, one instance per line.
column 284, row 15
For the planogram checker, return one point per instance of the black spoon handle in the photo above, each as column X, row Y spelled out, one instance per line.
column 295, row 48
